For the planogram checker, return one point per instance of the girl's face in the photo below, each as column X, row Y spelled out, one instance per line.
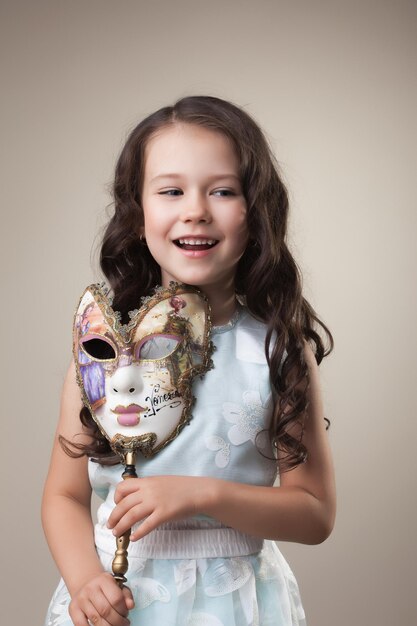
column 194, row 208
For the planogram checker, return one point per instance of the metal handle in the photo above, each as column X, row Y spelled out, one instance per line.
column 120, row 562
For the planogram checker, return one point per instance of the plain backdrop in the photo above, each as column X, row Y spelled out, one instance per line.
column 333, row 84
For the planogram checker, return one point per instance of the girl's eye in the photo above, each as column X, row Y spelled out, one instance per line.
column 170, row 192
column 223, row 192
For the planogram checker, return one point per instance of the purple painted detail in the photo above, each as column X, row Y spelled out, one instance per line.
column 83, row 358
column 93, row 380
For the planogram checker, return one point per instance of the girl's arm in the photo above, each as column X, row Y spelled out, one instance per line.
column 68, row 526
column 301, row 509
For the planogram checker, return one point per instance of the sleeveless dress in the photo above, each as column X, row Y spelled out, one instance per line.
column 197, row 572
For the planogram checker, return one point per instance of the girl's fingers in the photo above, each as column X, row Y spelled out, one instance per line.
column 78, row 617
column 101, row 613
column 149, row 520
column 122, row 508
column 93, row 616
column 89, row 615
column 149, row 524
column 133, row 516
column 101, row 603
column 126, row 487
column 130, row 603
column 116, row 596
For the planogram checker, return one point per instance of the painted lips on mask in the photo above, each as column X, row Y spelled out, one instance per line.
column 128, row 415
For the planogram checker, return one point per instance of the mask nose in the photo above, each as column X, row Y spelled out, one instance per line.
column 125, row 384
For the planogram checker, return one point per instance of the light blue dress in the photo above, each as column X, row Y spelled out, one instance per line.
column 198, row 572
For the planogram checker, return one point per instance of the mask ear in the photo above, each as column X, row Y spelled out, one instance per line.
column 180, row 312
column 191, row 314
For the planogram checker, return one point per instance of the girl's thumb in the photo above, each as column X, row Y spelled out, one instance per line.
column 130, row 603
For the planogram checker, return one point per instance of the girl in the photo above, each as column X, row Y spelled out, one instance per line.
column 198, row 200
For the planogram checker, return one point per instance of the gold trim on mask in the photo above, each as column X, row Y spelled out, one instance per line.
column 124, row 445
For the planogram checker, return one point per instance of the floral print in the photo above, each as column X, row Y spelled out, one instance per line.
column 236, row 591
column 248, row 419
column 219, row 445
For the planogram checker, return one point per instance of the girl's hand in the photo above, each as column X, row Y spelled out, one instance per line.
column 154, row 501
column 101, row 602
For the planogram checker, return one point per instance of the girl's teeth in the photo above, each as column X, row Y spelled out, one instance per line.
column 197, row 242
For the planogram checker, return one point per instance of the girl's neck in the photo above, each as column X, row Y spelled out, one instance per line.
column 221, row 296
column 223, row 305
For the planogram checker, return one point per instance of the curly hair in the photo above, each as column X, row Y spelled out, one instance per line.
column 267, row 277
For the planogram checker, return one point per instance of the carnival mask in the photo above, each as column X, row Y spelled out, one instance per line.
column 136, row 378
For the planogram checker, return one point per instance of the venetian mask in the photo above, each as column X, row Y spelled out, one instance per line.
column 136, row 378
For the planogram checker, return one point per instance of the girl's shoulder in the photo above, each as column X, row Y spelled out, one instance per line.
column 250, row 339
column 247, row 334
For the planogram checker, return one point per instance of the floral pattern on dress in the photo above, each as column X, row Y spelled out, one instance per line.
column 224, row 576
column 248, row 419
column 147, row 590
column 262, row 586
column 221, row 447
column 184, row 576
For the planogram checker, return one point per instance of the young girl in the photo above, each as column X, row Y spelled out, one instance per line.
column 198, row 201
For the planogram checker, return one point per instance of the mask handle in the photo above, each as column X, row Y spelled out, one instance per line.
column 120, row 563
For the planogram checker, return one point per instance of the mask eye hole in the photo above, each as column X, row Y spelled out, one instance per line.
column 98, row 348
column 156, row 347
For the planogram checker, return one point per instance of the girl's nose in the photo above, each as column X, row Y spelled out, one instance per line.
column 196, row 209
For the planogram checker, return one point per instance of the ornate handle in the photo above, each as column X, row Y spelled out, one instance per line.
column 120, row 563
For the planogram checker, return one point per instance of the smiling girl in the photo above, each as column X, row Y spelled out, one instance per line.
column 198, row 201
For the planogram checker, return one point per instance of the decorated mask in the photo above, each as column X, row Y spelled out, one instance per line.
column 136, row 378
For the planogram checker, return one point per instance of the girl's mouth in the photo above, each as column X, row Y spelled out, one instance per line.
column 196, row 244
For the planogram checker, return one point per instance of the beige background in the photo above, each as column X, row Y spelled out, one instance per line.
column 334, row 85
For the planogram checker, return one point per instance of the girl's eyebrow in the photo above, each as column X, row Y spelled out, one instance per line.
column 210, row 178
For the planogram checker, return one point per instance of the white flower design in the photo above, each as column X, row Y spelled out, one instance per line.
column 248, row 419
column 269, row 567
column 224, row 576
column 219, row 445
column 185, row 576
column 247, row 595
column 204, row 619
column 148, row 590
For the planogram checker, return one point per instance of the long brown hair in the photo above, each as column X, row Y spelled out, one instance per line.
column 267, row 276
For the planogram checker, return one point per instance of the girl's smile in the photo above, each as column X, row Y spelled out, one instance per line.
column 194, row 208
column 195, row 243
